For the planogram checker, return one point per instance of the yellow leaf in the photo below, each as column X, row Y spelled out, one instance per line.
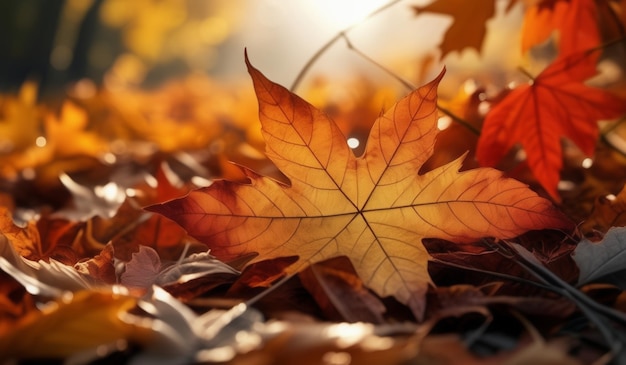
column 82, row 322
column 374, row 209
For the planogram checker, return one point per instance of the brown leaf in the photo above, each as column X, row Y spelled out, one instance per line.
column 468, row 28
column 100, row 267
column 340, row 292
column 142, row 269
column 608, row 211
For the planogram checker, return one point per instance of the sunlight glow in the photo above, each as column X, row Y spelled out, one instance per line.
column 110, row 192
column 109, row 158
column 341, row 14
column 470, row 86
column 336, row 358
column 566, row 185
column 41, row 141
column 444, row 122
column 484, row 107
column 587, row 163
column 347, row 334
column 29, row 173
column 353, row 142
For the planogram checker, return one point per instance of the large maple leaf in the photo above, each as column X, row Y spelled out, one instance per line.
column 374, row 209
column 556, row 104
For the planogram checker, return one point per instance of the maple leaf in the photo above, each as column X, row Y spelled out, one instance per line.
column 469, row 27
column 555, row 105
column 374, row 209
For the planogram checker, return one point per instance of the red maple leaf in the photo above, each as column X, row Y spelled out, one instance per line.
column 556, row 104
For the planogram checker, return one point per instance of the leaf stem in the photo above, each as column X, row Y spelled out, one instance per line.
column 495, row 274
column 407, row 84
column 526, row 73
column 458, row 120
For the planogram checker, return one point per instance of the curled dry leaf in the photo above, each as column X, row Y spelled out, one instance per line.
column 142, row 269
column 100, row 267
column 607, row 213
column 48, row 278
column 603, row 260
column 374, row 209
column 340, row 292
column 146, row 269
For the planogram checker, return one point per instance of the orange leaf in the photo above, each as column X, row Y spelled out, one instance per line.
column 574, row 20
column 84, row 321
column 374, row 209
column 557, row 104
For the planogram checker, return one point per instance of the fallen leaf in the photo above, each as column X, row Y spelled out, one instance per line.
column 340, row 292
column 193, row 267
column 20, row 125
column 84, row 321
column 457, row 300
column 67, row 135
column 142, row 269
column 608, row 211
column 603, row 260
column 15, row 303
column 555, row 105
column 261, row 274
column 375, row 209
column 100, row 267
column 25, row 240
column 40, row 277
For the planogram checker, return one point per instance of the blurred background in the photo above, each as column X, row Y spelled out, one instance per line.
column 101, row 91
column 145, row 42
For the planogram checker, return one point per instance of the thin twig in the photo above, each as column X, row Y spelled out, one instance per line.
column 495, row 274
column 332, row 41
column 407, row 84
column 595, row 312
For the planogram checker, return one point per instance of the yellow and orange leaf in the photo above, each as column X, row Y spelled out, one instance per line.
column 556, row 104
column 85, row 321
column 375, row 209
